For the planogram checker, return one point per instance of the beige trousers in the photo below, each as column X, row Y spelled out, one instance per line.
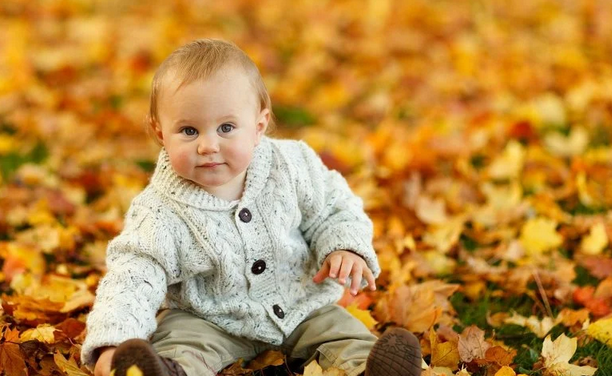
column 330, row 335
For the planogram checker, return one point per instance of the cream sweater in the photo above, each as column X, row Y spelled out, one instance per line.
column 245, row 265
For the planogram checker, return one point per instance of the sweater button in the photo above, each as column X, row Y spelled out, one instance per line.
column 278, row 311
column 245, row 215
column 258, row 267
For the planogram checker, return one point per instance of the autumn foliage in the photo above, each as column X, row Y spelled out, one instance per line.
column 478, row 134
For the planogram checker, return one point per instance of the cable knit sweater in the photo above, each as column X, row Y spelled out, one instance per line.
column 245, row 265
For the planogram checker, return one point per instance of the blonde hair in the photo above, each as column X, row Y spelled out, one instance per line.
column 198, row 60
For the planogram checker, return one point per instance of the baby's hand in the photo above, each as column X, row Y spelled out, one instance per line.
column 341, row 264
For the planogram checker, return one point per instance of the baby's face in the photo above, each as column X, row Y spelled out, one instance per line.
column 210, row 129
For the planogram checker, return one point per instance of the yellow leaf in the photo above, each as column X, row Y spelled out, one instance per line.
column 549, row 110
column 431, row 211
column 442, row 371
column 134, row 371
column 537, row 326
column 602, row 331
column 363, row 315
column 444, row 354
column 562, row 146
column 7, row 144
column 502, row 197
column 68, row 366
column 42, row 333
column 538, row 235
column 314, row 369
column 439, row 263
column 510, row 163
column 557, row 354
column 505, row 371
column 444, row 236
column 586, row 198
column 463, row 372
column 596, row 241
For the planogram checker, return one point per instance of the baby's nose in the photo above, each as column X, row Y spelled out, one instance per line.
column 208, row 144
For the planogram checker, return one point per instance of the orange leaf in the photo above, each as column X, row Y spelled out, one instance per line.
column 266, row 359
column 12, row 360
column 500, row 356
column 597, row 306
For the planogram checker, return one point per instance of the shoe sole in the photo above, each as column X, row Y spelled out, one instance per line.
column 396, row 353
column 139, row 353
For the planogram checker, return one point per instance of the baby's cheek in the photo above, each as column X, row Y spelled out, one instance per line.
column 180, row 161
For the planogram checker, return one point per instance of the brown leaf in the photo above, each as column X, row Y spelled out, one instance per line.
column 236, row 369
column 598, row 266
column 499, row 356
column 12, row 359
column 69, row 366
column 266, row 359
column 69, row 329
column 472, row 344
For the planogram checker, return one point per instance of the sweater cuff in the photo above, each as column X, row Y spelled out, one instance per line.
column 103, row 337
column 347, row 237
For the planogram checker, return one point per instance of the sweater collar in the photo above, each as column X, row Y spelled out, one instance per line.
column 169, row 184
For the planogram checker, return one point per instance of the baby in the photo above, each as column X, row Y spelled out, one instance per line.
column 248, row 239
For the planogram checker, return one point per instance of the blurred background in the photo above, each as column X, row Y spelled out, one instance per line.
column 477, row 132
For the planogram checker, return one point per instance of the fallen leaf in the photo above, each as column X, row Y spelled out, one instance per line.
column 472, row 344
column 12, row 359
column 596, row 241
column 585, row 295
column 509, row 163
column 267, row 359
column 364, row 316
column 566, row 146
column 430, row 210
column 499, row 356
column 570, row 317
column 601, row 330
column 42, row 333
column 314, row 369
column 361, row 300
column 557, row 355
column 539, row 235
column 68, row 366
column 598, row 266
column 443, row 354
column 505, row 371
column 539, row 327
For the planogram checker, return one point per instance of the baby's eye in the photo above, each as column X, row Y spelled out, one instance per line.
column 226, row 128
column 189, row 131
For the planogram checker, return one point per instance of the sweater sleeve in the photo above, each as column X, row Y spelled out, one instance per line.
column 333, row 217
column 140, row 262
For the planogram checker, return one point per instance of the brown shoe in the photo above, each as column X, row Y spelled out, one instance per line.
column 141, row 354
column 396, row 353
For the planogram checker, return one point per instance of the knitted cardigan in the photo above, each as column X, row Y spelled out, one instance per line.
column 245, row 265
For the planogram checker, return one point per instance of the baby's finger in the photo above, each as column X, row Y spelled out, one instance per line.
column 334, row 265
column 347, row 266
column 356, row 279
column 369, row 277
column 322, row 274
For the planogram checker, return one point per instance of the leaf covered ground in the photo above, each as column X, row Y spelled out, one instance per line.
column 477, row 132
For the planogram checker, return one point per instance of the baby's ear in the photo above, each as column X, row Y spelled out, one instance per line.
column 154, row 130
column 262, row 123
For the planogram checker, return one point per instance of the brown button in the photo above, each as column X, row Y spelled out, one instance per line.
column 258, row 267
column 278, row 311
column 245, row 215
